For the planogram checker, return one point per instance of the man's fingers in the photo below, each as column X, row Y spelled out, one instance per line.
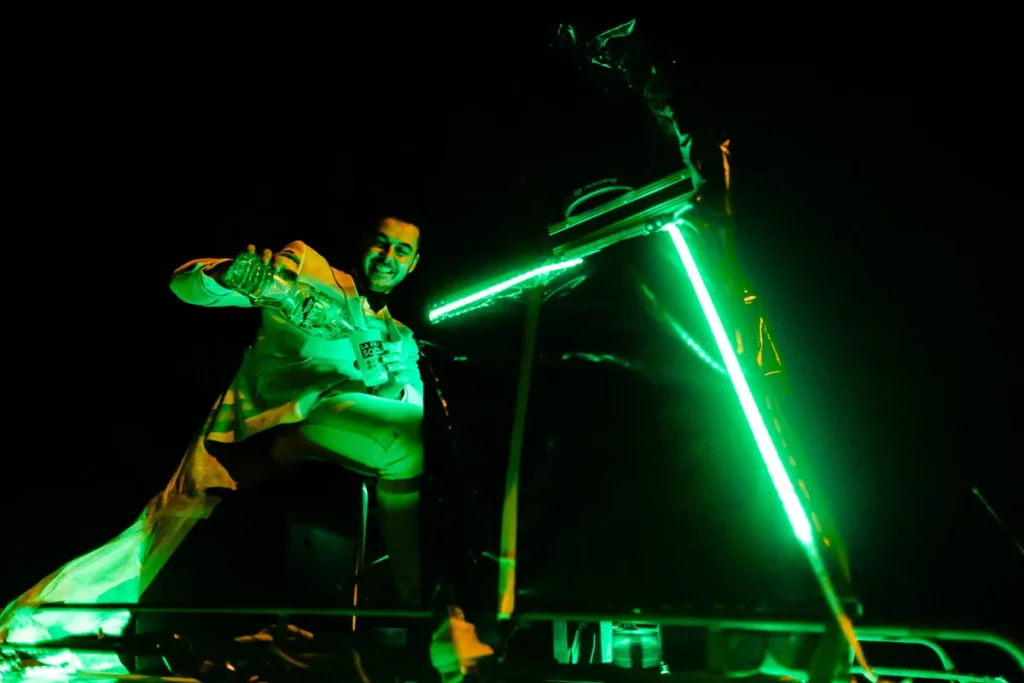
column 399, row 371
column 267, row 255
column 251, row 248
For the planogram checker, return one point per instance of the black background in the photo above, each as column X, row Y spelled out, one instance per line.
column 866, row 212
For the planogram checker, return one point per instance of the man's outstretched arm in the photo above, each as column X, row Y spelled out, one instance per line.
column 200, row 282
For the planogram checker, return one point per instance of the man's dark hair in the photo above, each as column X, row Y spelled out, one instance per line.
column 371, row 230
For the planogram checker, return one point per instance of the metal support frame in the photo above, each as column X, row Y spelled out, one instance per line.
column 639, row 224
column 927, row 637
column 364, row 510
column 669, row 181
column 909, row 635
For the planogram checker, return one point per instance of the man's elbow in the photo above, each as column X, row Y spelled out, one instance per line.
column 190, row 288
column 198, row 283
column 179, row 285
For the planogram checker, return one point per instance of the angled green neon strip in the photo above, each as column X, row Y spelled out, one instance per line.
column 769, row 453
column 798, row 519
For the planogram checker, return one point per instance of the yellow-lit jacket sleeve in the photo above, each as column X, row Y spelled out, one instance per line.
column 191, row 284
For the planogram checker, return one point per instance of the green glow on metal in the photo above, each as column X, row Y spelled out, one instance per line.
column 464, row 303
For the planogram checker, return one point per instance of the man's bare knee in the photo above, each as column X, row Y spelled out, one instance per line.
column 403, row 460
column 366, row 434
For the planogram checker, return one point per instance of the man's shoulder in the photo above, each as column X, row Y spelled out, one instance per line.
column 312, row 262
column 343, row 277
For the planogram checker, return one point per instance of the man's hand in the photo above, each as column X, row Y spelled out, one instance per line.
column 401, row 371
column 275, row 262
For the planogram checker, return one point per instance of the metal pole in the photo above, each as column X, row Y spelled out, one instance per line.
column 510, row 510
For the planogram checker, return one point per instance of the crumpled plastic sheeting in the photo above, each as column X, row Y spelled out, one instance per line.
column 117, row 572
column 621, row 52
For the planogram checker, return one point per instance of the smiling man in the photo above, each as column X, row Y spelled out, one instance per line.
column 390, row 252
column 304, row 399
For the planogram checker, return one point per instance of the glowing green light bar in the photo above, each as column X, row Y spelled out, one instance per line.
column 769, row 453
column 466, row 302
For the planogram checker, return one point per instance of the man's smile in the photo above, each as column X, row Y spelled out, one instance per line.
column 381, row 270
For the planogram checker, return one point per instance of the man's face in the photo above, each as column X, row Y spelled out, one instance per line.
column 391, row 254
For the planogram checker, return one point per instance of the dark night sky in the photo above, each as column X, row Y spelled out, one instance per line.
column 856, row 217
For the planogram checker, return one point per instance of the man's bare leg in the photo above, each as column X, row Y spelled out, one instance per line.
column 367, row 434
column 398, row 502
